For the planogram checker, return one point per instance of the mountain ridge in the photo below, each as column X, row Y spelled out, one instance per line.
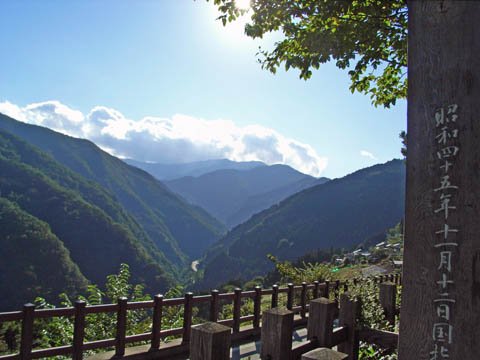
column 338, row 213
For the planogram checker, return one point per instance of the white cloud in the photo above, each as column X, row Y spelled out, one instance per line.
column 368, row 154
column 181, row 138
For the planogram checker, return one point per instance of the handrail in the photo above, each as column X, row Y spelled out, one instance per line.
column 158, row 304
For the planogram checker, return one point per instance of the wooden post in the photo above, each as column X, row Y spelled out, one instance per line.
column 388, row 295
column 187, row 318
column 290, row 296
column 320, row 321
column 274, row 296
column 214, row 306
column 276, row 334
column 79, row 330
column 121, row 327
column 324, row 354
column 349, row 312
column 27, row 332
column 210, row 341
column 440, row 313
column 256, row 306
column 157, row 321
column 315, row 289
column 237, row 303
column 303, row 300
column 326, row 292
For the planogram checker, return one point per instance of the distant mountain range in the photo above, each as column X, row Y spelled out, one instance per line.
column 233, row 196
column 168, row 220
column 91, row 209
column 339, row 213
column 196, row 168
column 70, row 214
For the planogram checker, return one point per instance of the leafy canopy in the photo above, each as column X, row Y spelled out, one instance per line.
column 366, row 37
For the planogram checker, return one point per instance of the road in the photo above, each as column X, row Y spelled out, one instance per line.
column 194, row 265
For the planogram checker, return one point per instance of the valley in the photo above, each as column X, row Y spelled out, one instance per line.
column 180, row 231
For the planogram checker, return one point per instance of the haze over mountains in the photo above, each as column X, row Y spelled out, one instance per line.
column 231, row 191
column 195, row 168
column 233, row 196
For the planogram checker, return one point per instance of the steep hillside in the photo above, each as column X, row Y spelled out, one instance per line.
column 14, row 148
column 97, row 244
column 339, row 213
column 33, row 257
column 168, row 220
column 196, row 168
column 232, row 196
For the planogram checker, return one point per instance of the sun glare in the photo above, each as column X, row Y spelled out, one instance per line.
column 242, row 4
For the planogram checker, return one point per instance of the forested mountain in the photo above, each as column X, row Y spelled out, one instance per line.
column 339, row 213
column 196, row 168
column 179, row 230
column 82, row 216
column 33, row 261
column 232, row 196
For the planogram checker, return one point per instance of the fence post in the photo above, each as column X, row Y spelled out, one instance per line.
column 315, row 289
column 336, row 291
column 27, row 332
column 326, row 292
column 210, row 341
column 276, row 334
column 349, row 312
column 320, row 321
column 214, row 306
column 303, row 300
column 274, row 296
column 324, row 354
column 290, row 296
column 121, row 327
column 157, row 321
column 79, row 330
column 388, row 292
column 187, row 317
column 256, row 306
column 237, row 303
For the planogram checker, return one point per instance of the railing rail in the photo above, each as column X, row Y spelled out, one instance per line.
column 158, row 304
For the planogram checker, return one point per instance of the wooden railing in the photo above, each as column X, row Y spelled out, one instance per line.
column 158, row 304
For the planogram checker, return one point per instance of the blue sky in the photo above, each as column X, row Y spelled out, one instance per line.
column 164, row 81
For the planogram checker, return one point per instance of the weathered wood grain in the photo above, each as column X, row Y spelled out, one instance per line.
column 443, row 70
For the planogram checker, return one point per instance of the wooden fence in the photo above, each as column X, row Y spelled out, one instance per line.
column 296, row 302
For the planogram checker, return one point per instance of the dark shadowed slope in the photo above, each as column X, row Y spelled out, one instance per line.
column 33, row 261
